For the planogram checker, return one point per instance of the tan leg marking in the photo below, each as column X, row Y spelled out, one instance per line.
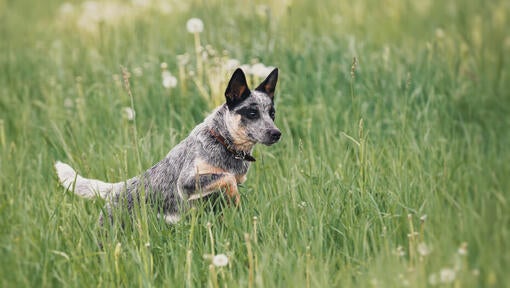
column 203, row 167
column 228, row 182
column 241, row 178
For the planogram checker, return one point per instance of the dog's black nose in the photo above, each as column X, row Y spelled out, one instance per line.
column 275, row 134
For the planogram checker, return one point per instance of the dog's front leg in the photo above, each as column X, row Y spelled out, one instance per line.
column 204, row 184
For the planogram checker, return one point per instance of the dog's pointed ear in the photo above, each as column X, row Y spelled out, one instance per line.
column 237, row 89
column 267, row 86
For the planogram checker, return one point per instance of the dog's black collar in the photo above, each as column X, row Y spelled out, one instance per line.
column 240, row 155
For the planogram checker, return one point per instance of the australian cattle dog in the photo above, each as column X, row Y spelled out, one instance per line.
column 214, row 158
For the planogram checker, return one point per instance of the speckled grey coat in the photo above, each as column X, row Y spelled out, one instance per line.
column 205, row 162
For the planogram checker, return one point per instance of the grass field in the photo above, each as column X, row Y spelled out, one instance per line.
column 393, row 169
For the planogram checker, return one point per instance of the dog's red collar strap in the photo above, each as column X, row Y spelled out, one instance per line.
column 240, row 155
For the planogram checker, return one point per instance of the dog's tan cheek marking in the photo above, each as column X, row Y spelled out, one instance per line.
column 238, row 133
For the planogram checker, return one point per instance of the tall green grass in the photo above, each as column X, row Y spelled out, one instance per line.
column 391, row 172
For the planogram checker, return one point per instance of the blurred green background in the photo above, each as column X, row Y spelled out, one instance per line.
column 392, row 170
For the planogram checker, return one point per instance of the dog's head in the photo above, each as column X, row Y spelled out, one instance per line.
column 251, row 114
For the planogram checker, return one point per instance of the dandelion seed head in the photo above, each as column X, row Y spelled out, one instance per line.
column 166, row 74
column 400, row 251
column 260, row 70
column 165, row 8
column 169, row 81
column 163, row 65
column 66, row 9
column 183, row 59
column 129, row 113
column 90, row 6
column 220, row 260
column 138, row 71
column 302, row 204
column 433, row 279
column 463, row 249
column 231, row 64
column 195, row 25
column 210, row 50
column 423, row 249
column 246, row 68
column 204, row 55
column 446, row 275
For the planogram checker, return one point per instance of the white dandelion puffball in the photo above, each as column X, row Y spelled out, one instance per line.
column 463, row 249
column 66, row 9
column 433, row 279
column 423, row 249
column 231, row 64
column 246, row 68
column 195, row 25
column 183, row 59
column 447, row 275
column 129, row 113
column 169, row 81
column 138, row 71
column 220, row 260
column 260, row 70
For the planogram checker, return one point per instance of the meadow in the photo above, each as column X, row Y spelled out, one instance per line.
column 393, row 168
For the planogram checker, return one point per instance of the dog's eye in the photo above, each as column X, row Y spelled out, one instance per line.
column 250, row 113
column 272, row 114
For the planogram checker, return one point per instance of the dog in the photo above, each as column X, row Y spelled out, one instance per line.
column 214, row 158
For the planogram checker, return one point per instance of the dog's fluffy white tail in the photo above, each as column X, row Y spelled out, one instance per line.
column 84, row 187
